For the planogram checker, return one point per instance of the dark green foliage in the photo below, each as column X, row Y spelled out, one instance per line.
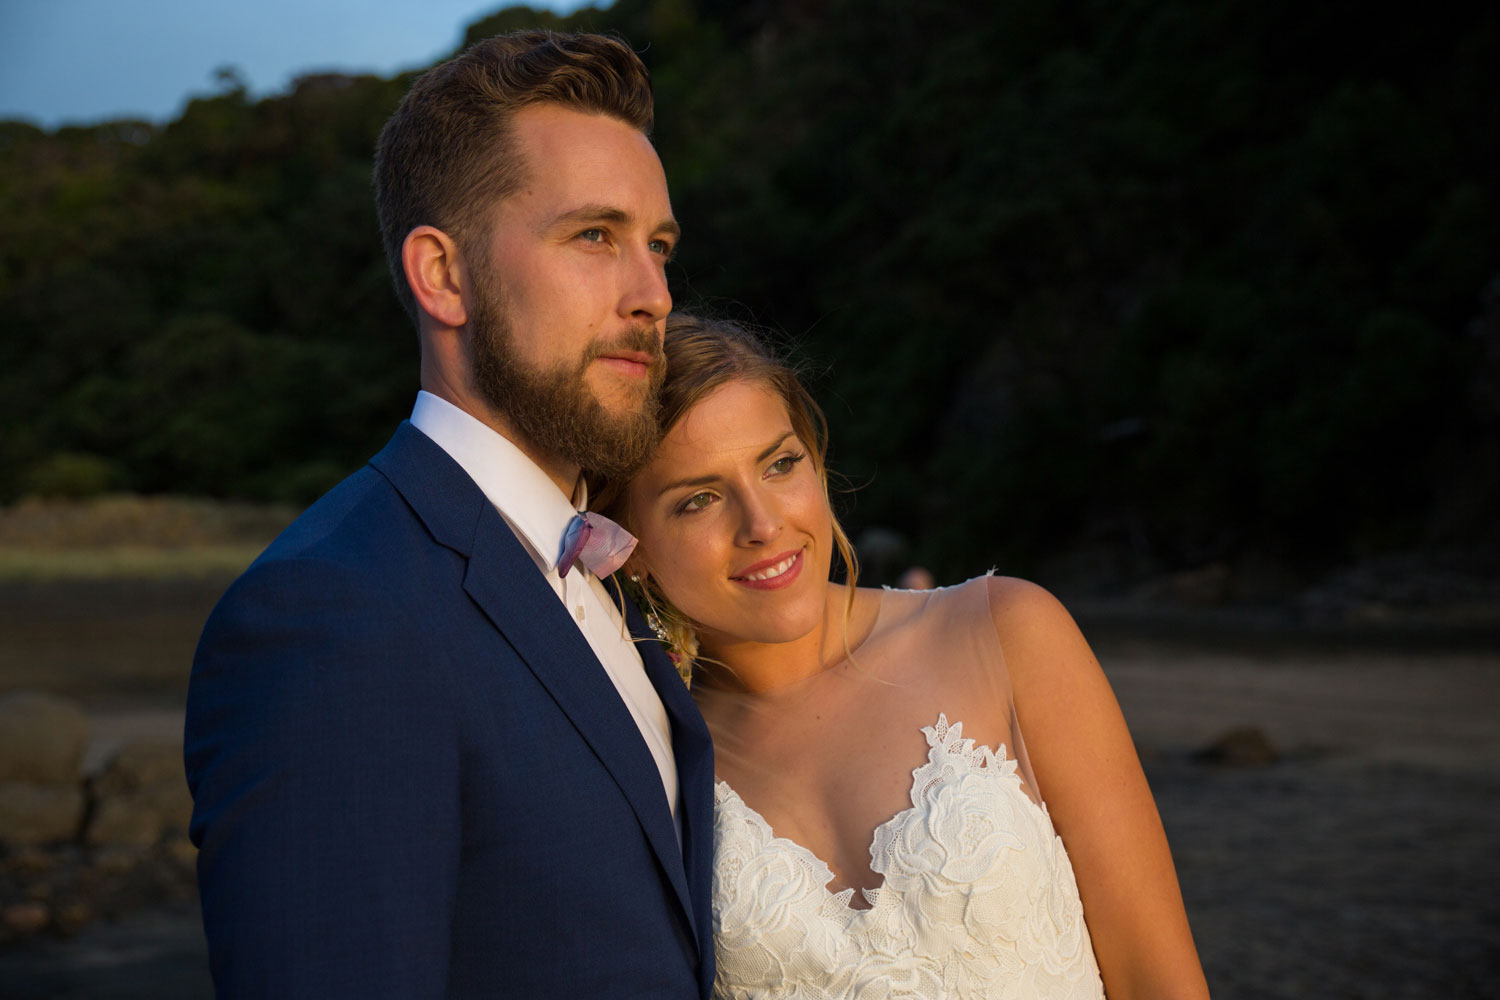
column 1182, row 280
column 1185, row 280
column 204, row 304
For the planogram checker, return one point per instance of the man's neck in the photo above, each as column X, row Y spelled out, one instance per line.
column 564, row 474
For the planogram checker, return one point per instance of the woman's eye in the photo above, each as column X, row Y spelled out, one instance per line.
column 786, row 463
column 697, row 501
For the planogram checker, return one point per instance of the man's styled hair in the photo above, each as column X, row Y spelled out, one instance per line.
column 448, row 155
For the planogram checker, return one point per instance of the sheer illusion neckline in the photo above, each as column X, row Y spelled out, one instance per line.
column 713, row 684
column 950, row 755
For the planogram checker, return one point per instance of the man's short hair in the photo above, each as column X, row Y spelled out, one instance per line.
column 447, row 156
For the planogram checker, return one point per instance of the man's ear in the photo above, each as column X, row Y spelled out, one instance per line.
column 434, row 269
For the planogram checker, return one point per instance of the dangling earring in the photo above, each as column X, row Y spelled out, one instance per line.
column 658, row 628
column 653, row 620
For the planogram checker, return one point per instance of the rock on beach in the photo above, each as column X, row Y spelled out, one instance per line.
column 42, row 739
column 42, row 742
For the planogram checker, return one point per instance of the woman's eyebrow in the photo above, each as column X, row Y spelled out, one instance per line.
column 774, row 445
column 678, row 484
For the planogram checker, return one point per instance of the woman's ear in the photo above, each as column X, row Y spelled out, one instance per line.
column 435, row 271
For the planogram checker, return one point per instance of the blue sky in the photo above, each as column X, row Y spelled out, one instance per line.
column 85, row 61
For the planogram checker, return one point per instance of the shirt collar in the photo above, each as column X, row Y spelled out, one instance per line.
column 526, row 497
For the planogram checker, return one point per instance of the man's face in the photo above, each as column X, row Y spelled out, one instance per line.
column 569, row 294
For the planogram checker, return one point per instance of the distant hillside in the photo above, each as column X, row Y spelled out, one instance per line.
column 1159, row 284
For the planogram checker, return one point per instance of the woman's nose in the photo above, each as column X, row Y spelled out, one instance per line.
column 760, row 523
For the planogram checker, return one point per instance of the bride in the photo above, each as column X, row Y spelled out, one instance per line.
column 920, row 793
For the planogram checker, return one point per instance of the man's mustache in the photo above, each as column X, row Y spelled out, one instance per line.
column 642, row 337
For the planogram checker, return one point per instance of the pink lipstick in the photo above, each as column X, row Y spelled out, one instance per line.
column 771, row 574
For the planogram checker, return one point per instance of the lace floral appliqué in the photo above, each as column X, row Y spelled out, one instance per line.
column 978, row 899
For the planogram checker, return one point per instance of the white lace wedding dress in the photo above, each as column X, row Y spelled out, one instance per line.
column 978, row 898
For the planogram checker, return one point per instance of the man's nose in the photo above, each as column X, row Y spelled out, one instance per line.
column 645, row 294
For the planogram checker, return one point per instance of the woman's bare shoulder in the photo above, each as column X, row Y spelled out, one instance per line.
column 1007, row 605
column 1034, row 629
column 1022, row 609
column 1011, row 597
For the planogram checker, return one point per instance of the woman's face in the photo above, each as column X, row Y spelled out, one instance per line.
column 733, row 523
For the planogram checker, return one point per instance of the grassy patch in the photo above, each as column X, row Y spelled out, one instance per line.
column 123, row 521
column 126, row 562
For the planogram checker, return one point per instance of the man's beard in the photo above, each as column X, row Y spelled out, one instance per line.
column 554, row 409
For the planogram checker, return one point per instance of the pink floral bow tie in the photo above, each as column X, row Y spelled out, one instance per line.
column 596, row 541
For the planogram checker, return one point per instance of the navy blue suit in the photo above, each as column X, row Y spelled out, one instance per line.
column 412, row 778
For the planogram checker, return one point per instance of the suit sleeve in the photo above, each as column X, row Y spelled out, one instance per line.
column 323, row 756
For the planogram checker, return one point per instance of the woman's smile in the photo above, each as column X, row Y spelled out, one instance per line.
column 771, row 574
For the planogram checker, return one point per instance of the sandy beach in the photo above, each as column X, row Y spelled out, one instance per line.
column 1358, row 863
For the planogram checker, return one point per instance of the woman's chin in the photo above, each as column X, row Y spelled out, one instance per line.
column 763, row 631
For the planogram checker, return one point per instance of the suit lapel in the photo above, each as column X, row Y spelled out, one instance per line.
column 527, row 613
column 505, row 584
column 693, row 751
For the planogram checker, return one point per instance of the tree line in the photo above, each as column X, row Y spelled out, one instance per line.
column 1177, row 281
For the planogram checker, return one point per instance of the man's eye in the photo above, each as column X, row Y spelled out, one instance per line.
column 592, row 235
column 661, row 247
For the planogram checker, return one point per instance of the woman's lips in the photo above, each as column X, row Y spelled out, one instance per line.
column 771, row 574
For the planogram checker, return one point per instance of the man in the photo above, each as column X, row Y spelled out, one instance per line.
column 426, row 756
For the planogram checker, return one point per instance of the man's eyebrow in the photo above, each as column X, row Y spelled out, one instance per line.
column 608, row 213
column 678, row 484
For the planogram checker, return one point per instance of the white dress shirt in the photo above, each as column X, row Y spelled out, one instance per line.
column 538, row 513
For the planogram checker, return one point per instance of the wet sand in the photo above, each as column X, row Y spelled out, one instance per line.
column 1362, row 864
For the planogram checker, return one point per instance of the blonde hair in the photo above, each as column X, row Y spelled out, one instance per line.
column 704, row 354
